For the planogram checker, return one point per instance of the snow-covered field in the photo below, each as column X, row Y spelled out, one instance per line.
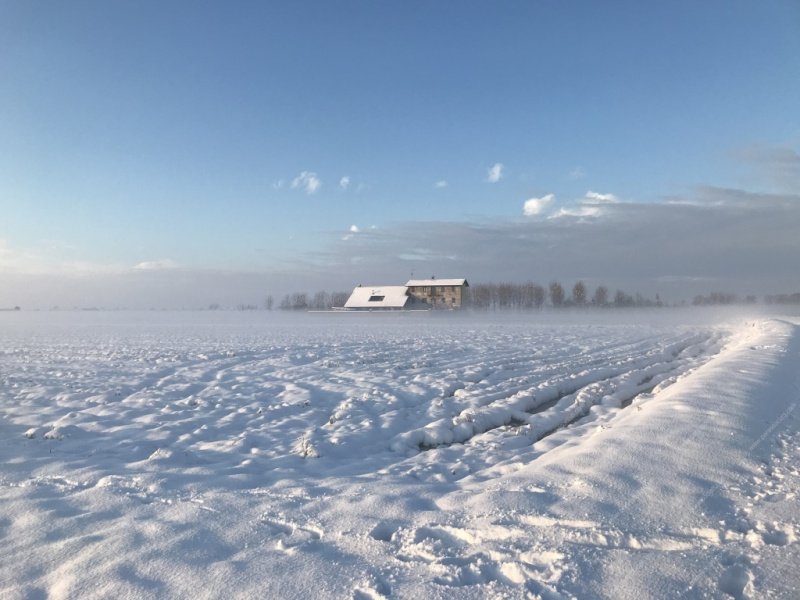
column 247, row 455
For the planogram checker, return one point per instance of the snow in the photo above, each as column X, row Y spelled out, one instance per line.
column 205, row 455
column 387, row 296
column 436, row 282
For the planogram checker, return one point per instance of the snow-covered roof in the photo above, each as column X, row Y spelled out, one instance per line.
column 386, row 296
column 427, row 282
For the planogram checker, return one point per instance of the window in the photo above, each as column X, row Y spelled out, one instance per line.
column 376, row 298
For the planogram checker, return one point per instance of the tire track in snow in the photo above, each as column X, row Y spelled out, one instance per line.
column 556, row 404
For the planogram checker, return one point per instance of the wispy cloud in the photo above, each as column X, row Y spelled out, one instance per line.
column 307, row 181
column 580, row 210
column 13, row 260
column 779, row 165
column 591, row 205
column 354, row 229
column 596, row 198
column 441, row 184
column 156, row 265
column 535, row 206
column 577, row 173
column 734, row 239
column 495, row 173
column 36, row 262
column 344, row 182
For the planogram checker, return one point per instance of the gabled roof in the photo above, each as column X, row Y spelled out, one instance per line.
column 427, row 282
column 385, row 296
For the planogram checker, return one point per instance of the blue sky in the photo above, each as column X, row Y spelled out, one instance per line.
column 211, row 136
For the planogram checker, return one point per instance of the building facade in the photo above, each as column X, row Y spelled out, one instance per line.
column 417, row 294
column 439, row 293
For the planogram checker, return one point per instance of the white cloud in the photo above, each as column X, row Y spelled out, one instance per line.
column 592, row 204
column 156, row 265
column 308, row 181
column 440, row 184
column 278, row 184
column 354, row 229
column 495, row 173
column 577, row 211
column 344, row 182
column 535, row 206
column 595, row 198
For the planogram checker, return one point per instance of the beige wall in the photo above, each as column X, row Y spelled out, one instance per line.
column 438, row 296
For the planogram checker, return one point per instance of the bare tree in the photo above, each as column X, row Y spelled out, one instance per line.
column 526, row 296
column 600, row 297
column 268, row 302
column 579, row 293
column 299, row 301
column 321, row 301
column 339, row 298
column 556, row 293
column 538, row 295
column 622, row 299
column 505, row 294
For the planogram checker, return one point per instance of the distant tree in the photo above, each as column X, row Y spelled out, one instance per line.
column 600, row 297
column 339, row 298
column 286, row 303
column 214, row 306
column 481, row 296
column 715, row 298
column 268, row 302
column 505, row 293
column 622, row 299
column 299, row 301
column 526, row 295
column 579, row 293
column 556, row 293
column 538, row 295
column 321, row 301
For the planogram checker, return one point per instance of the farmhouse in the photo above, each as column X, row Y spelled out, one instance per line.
column 439, row 293
column 420, row 294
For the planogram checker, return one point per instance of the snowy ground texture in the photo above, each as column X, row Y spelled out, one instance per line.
column 224, row 455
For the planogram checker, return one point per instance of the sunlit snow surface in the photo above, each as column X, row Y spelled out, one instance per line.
column 416, row 455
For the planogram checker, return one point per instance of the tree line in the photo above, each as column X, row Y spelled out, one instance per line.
column 527, row 296
column 486, row 296
column 531, row 296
